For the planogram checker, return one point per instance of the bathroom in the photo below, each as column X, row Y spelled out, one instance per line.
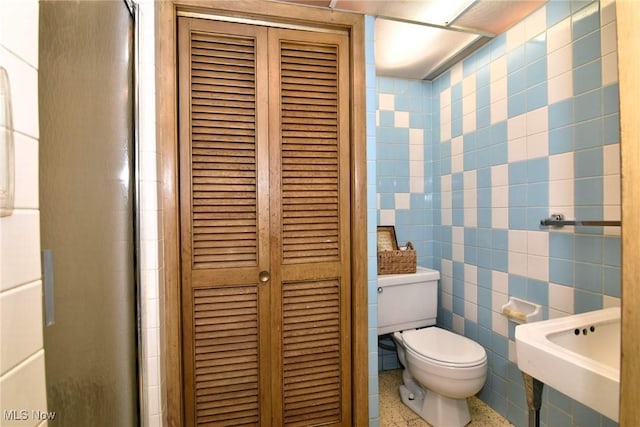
column 463, row 247
column 468, row 164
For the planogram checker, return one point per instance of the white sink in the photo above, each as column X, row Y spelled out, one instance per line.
column 577, row 355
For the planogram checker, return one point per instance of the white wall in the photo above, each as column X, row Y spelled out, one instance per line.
column 22, row 371
column 151, row 403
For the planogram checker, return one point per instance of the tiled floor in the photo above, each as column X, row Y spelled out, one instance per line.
column 393, row 413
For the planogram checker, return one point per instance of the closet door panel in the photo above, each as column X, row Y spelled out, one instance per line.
column 310, row 224
column 224, row 222
column 265, row 214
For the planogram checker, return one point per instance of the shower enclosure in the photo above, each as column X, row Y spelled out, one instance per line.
column 86, row 93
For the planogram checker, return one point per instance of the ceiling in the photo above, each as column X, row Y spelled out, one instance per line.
column 420, row 39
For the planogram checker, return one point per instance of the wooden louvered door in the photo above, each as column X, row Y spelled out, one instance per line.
column 310, row 209
column 265, row 196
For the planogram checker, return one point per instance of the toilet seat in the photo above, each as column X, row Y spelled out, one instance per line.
column 444, row 348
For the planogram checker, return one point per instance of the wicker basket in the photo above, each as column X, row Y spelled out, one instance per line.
column 397, row 262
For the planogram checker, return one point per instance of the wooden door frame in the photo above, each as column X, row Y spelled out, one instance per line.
column 167, row 137
column 627, row 15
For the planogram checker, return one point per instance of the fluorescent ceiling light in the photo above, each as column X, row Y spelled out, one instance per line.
column 419, row 39
column 415, row 51
column 434, row 12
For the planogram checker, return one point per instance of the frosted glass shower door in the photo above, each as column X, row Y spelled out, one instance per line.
column 86, row 202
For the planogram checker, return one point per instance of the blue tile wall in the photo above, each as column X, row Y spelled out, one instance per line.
column 468, row 164
column 373, row 167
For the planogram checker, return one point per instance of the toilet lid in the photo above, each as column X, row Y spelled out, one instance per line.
column 444, row 347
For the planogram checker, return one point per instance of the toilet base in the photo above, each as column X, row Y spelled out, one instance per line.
column 437, row 410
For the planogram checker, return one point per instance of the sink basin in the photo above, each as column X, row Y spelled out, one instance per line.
column 577, row 355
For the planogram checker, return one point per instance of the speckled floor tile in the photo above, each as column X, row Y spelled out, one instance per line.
column 394, row 413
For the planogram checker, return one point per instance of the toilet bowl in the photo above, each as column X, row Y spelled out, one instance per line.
column 442, row 369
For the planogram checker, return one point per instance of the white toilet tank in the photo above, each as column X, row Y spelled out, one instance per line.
column 407, row 301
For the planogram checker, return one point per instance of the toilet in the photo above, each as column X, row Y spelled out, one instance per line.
column 441, row 368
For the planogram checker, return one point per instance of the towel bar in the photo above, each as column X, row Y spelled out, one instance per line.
column 557, row 220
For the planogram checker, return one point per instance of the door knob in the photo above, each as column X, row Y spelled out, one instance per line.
column 264, row 276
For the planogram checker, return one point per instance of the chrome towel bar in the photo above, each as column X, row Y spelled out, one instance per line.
column 557, row 220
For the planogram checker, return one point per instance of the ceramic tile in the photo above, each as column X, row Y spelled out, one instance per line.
column 387, row 217
column 469, row 85
column 515, row 36
column 608, row 39
column 500, row 218
column 499, row 111
column 26, row 172
column 416, row 137
column 456, row 73
column 611, row 189
column 445, row 130
column 559, row 61
column 498, row 89
column 538, row 243
column 561, row 194
column 518, row 241
column 447, row 299
column 445, row 98
column 538, row 267
column 471, row 198
column 561, row 166
column 587, row 78
column 560, row 87
column 607, row 12
column 586, row 49
column 20, row 324
column 401, row 119
column 20, row 248
column 471, row 311
column 535, row 23
column 512, row 352
column 23, row 84
column 559, row 34
column 561, row 298
column 402, row 201
column 458, row 324
column 470, row 217
column 610, row 68
column 537, row 121
column 469, row 123
column 23, row 388
column 518, row 263
column 608, row 301
column 499, row 324
column 471, row 274
column 386, row 101
column 498, row 69
column 19, row 29
column 498, row 299
column 517, row 127
column 517, row 149
column 585, row 20
column 416, row 182
column 537, row 145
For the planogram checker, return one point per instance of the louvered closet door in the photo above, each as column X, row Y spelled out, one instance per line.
column 224, row 223
column 310, row 211
column 264, row 193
